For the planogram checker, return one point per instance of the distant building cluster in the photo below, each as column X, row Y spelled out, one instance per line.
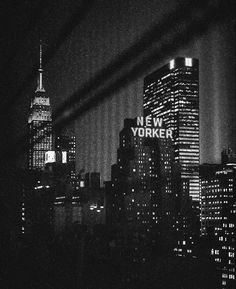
column 54, row 198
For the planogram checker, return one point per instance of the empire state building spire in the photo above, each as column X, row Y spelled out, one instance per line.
column 40, row 87
column 39, row 123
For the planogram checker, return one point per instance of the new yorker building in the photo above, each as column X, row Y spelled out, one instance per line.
column 172, row 92
column 40, row 124
column 141, row 198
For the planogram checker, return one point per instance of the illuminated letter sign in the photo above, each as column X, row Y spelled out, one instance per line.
column 151, row 127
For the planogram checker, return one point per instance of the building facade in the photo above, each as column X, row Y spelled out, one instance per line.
column 65, row 145
column 172, row 92
column 40, row 124
column 218, row 210
column 141, row 198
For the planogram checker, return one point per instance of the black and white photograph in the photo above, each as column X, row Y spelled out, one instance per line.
column 117, row 144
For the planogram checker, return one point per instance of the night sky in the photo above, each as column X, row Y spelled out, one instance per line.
column 98, row 32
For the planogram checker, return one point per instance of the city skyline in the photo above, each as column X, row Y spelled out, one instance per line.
column 118, row 145
column 40, row 89
column 216, row 43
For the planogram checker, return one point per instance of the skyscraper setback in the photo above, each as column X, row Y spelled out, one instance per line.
column 40, row 123
column 142, row 197
column 172, row 92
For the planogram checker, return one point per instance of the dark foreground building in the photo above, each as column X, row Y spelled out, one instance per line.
column 218, row 211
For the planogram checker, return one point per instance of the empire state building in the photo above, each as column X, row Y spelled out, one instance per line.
column 40, row 123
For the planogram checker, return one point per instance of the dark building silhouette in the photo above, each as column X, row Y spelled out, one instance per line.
column 218, row 210
column 172, row 92
column 47, row 198
column 92, row 199
column 92, row 180
column 37, row 211
column 228, row 157
column 57, row 174
column 143, row 197
column 65, row 148
column 11, row 187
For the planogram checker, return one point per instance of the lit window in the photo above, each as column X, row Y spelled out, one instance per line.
column 172, row 64
column 188, row 61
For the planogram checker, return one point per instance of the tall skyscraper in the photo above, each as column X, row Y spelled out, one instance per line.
column 172, row 92
column 40, row 123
